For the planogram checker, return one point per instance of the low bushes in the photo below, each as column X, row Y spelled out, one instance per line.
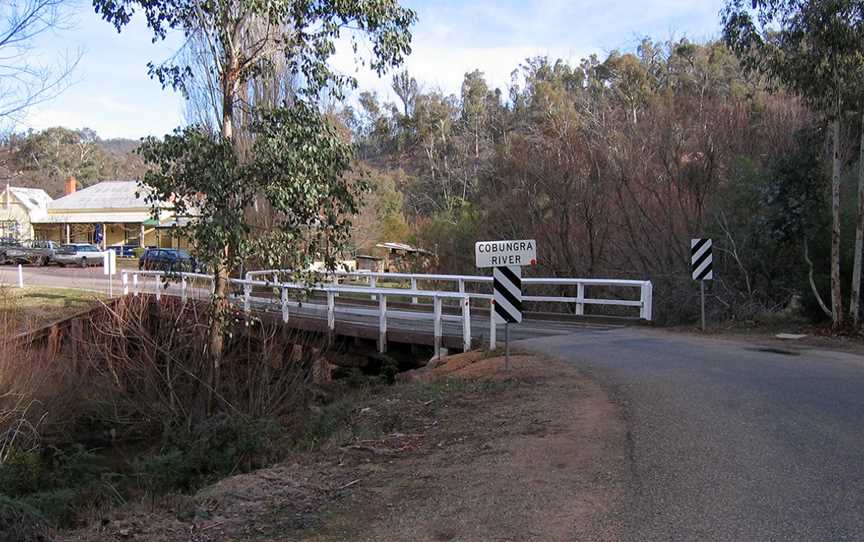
column 138, row 378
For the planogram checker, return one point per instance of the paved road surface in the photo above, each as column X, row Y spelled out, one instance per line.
column 729, row 442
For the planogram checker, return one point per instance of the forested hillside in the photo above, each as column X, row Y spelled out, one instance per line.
column 613, row 165
column 44, row 159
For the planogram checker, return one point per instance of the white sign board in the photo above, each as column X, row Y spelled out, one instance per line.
column 506, row 253
column 109, row 262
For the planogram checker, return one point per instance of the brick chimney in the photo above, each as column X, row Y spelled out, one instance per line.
column 71, row 185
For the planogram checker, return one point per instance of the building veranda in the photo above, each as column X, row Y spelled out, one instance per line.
column 108, row 214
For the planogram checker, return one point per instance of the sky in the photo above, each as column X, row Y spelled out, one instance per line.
column 112, row 93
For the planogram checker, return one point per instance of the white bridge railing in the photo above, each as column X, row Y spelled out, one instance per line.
column 159, row 282
column 415, row 280
column 135, row 282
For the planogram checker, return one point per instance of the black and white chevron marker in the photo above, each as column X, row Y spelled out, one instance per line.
column 507, row 293
column 701, row 259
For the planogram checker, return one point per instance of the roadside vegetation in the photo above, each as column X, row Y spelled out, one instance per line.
column 121, row 413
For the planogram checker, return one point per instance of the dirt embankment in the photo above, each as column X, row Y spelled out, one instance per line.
column 465, row 451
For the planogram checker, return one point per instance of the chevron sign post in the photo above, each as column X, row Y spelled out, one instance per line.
column 702, row 267
column 506, row 258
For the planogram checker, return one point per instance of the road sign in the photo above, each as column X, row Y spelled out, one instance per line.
column 507, row 294
column 506, row 253
column 109, row 262
column 701, row 259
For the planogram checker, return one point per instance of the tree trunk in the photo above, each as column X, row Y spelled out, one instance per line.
column 221, row 271
column 812, row 281
column 836, row 294
column 859, row 234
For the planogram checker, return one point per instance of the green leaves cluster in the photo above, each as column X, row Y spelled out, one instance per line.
column 304, row 32
column 295, row 169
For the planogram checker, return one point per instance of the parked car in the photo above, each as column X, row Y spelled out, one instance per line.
column 35, row 252
column 82, row 254
column 5, row 244
column 124, row 251
column 167, row 259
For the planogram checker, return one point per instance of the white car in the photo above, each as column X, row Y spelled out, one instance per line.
column 78, row 254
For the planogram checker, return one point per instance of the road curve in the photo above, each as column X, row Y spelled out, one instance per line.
column 729, row 441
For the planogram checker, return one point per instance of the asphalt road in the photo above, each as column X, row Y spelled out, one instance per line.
column 728, row 441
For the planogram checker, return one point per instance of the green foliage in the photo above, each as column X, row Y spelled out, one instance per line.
column 451, row 236
column 297, row 164
column 54, row 484
column 304, row 32
column 219, row 446
column 49, row 156
column 812, row 46
column 20, row 522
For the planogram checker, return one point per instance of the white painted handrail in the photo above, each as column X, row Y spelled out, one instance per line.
column 644, row 303
column 331, row 291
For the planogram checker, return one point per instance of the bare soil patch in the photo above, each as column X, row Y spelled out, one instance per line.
column 464, row 451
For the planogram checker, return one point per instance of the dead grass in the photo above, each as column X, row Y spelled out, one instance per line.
column 29, row 308
column 468, row 452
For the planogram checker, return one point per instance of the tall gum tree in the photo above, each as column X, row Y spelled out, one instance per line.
column 245, row 39
column 814, row 48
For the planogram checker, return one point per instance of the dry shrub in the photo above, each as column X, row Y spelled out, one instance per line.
column 137, row 368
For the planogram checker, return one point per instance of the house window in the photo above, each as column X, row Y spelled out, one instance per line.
column 10, row 229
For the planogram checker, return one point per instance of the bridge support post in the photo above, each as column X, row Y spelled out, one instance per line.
column 331, row 317
column 414, row 287
column 373, row 282
column 382, row 323
column 580, row 299
column 647, row 298
column 466, row 324
column 284, row 298
column 493, row 340
column 436, row 307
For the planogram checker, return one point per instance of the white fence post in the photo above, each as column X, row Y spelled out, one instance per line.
column 382, row 323
column 247, row 293
column 436, row 307
column 158, row 282
column 135, row 283
column 331, row 316
column 373, row 282
column 493, row 343
column 284, row 298
column 580, row 299
column 183, row 286
column 20, row 276
column 466, row 323
column 125, row 278
column 647, row 298
column 414, row 287
column 461, row 286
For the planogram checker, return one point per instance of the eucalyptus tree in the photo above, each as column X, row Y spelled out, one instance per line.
column 812, row 47
column 296, row 161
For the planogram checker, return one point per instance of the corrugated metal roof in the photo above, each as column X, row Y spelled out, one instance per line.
column 35, row 199
column 105, row 195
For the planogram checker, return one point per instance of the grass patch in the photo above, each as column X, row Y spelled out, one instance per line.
column 23, row 309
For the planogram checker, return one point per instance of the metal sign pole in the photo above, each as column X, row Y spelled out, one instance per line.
column 507, row 346
column 702, row 290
